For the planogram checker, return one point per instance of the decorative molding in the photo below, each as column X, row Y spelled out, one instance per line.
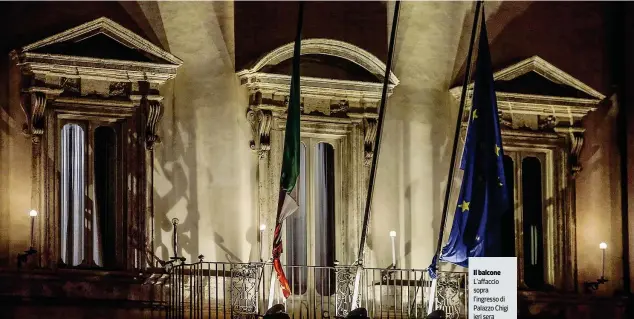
column 325, row 96
column 71, row 85
column 369, row 135
column 153, row 109
column 97, row 69
column 278, row 84
column 547, row 122
column 33, row 103
column 505, row 119
column 576, row 139
column 340, row 106
column 119, row 89
column 260, row 121
column 153, row 117
column 337, row 102
column 329, row 47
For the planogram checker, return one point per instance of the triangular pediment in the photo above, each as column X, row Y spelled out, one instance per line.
column 102, row 39
column 536, row 77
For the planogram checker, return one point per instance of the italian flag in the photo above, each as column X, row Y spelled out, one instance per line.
column 288, row 201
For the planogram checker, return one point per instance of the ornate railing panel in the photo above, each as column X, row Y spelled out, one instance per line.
column 245, row 279
column 345, row 289
column 452, row 294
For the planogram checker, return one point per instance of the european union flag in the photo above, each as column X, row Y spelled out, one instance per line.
column 483, row 195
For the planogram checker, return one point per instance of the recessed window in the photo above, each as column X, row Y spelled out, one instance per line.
column 105, row 196
column 88, row 195
column 310, row 232
column 508, row 217
column 324, row 206
column 72, row 190
column 524, row 177
column 296, row 239
column 532, row 210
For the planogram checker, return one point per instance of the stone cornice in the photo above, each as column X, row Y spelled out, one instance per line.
column 538, row 104
column 96, row 69
column 318, row 87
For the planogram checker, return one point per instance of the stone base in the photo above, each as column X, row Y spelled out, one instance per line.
column 72, row 293
column 532, row 304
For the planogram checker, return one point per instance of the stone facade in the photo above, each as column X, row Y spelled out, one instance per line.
column 203, row 99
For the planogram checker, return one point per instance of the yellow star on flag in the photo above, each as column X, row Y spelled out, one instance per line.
column 497, row 150
column 475, row 114
column 465, row 206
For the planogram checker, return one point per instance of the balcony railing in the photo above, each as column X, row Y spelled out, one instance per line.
column 241, row 290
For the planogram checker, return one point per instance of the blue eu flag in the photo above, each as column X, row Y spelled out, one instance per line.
column 483, row 196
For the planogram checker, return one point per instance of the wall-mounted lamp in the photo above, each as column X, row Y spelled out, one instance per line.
column 262, row 229
column 33, row 214
column 23, row 257
column 594, row 285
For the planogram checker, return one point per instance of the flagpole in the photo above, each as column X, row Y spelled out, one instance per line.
column 454, row 151
column 289, row 174
column 377, row 143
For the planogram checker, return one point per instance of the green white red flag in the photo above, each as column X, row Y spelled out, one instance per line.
column 288, row 201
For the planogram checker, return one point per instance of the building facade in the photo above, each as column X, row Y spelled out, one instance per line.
column 126, row 125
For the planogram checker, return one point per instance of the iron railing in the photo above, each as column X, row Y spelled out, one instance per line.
column 244, row 290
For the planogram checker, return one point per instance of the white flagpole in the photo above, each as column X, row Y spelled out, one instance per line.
column 355, row 292
column 272, row 288
column 375, row 157
column 432, row 297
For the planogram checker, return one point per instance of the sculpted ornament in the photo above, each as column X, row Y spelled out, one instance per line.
column 33, row 103
column 576, row 144
column 547, row 122
column 368, row 140
column 154, row 115
column 575, row 137
column 260, row 121
column 340, row 106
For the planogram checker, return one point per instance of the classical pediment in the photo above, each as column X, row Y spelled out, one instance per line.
column 102, row 39
column 99, row 49
column 535, row 76
column 537, row 95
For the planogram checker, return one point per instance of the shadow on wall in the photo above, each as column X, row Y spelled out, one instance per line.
column 175, row 164
column 442, row 141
